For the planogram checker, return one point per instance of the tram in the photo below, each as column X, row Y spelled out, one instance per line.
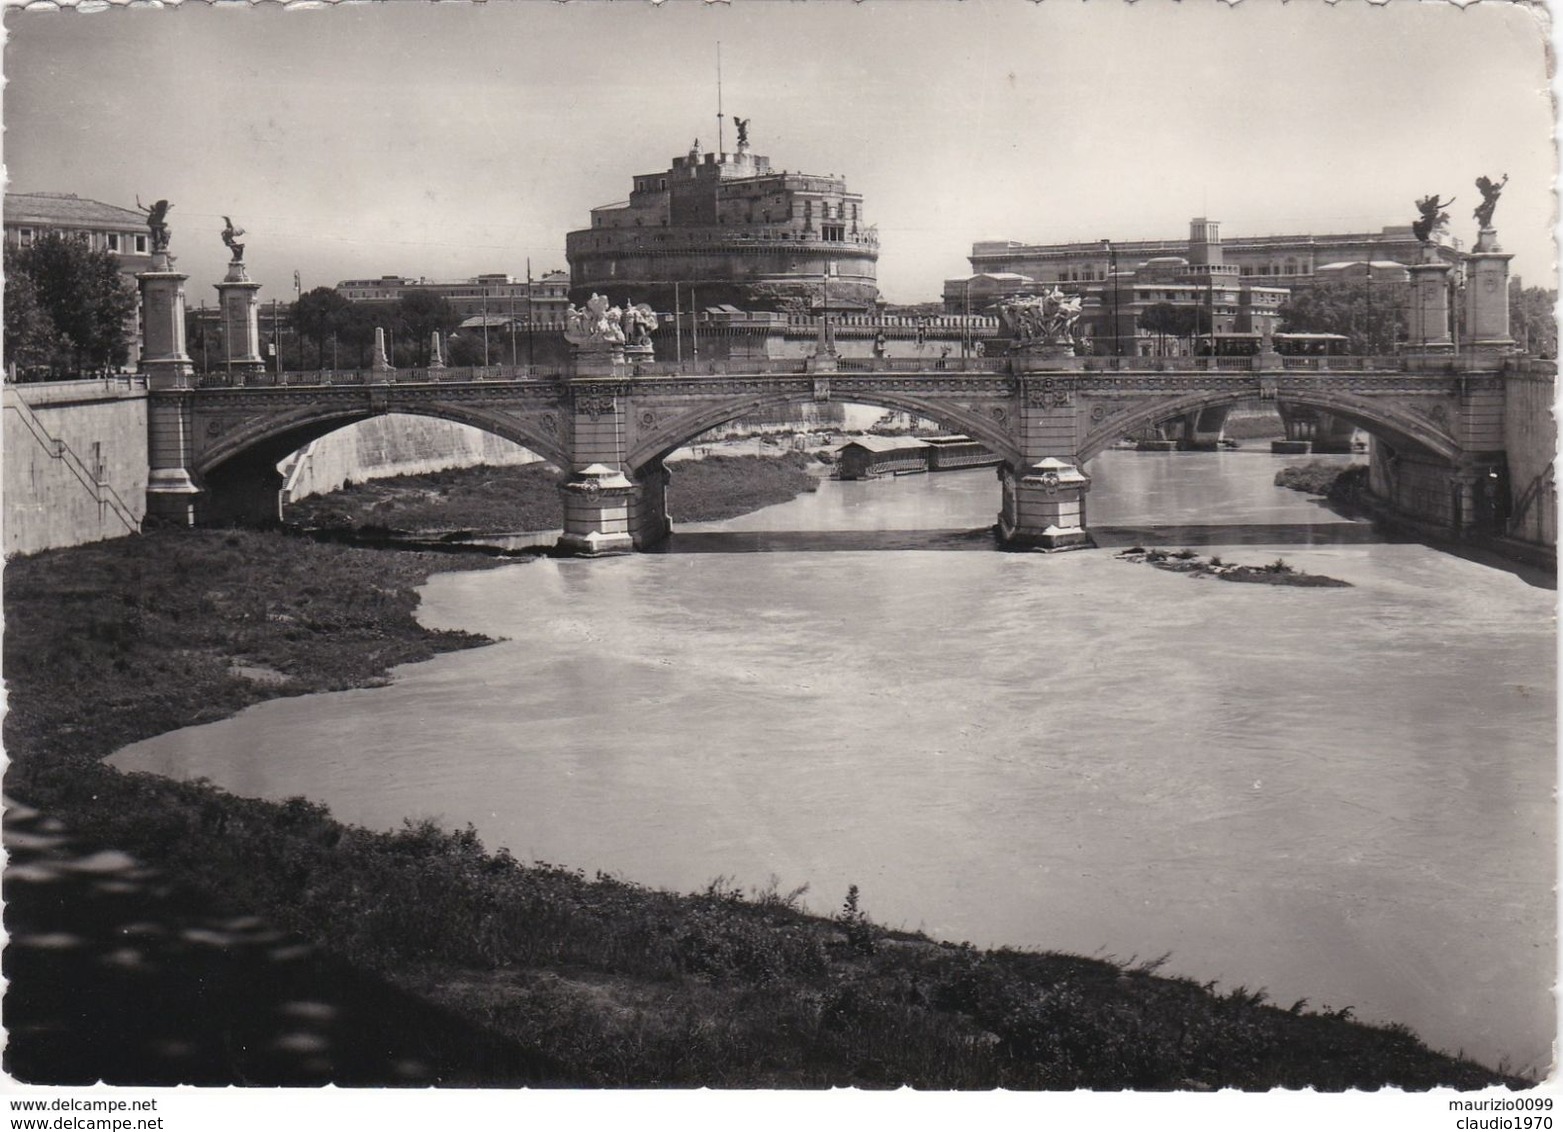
column 1247, row 345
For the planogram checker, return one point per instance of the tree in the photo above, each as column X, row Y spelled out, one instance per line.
column 1533, row 319
column 86, row 298
column 1175, row 321
column 356, row 327
column 319, row 314
column 466, row 349
column 1370, row 315
column 419, row 315
column 30, row 335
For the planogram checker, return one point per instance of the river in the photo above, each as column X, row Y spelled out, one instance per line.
column 1343, row 795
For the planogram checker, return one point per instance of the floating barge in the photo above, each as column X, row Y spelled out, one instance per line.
column 869, row 457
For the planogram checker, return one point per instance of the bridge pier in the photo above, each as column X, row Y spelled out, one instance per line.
column 597, row 505
column 1044, row 506
column 171, row 492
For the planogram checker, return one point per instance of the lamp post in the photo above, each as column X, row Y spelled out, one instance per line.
column 1372, row 335
column 966, row 321
column 1112, row 270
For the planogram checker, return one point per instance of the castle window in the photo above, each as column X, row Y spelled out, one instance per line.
column 141, row 245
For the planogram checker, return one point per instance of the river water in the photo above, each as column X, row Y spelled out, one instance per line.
column 1343, row 795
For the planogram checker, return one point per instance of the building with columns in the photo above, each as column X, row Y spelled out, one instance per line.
column 731, row 230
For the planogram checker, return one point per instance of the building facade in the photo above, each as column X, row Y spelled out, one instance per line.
column 104, row 227
column 540, row 303
column 728, row 229
column 1230, row 287
column 1288, row 261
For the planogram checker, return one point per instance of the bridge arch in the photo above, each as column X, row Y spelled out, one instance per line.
column 1396, row 424
column 288, row 432
column 681, row 429
column 236, row 468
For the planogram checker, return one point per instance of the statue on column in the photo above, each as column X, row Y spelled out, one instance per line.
column 1433, row 217
column 1490, row 193
column 157, row 222
column 231, row 238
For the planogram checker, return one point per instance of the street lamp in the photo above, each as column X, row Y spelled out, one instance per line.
column 966, row 321
column 1112, row 271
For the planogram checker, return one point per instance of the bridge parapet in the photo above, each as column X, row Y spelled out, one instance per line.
column 1475, row 362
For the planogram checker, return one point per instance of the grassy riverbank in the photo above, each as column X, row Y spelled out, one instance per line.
column 613, row 983
column 1340, row 483
column 526, row 498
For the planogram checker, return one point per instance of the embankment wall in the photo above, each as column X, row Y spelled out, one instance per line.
column 75, row 462
column 1530, row 434
column 392, row 445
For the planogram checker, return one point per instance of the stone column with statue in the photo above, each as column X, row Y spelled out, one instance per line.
column 239, row 302
column 1427, row 313
column 1487, row 279
column 171, row 489
column 163, row 356
column 1044, row 495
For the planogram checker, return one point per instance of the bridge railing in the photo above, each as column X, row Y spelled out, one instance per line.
column 404, row 375
column 1390, row 363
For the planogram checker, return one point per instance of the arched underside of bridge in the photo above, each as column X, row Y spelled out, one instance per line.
column 1396, row 424
column 238, row 472
column 680, row 430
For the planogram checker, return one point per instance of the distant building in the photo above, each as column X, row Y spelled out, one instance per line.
column 1238, row 285
column 1288, row 261
column 105, row 227
column 730, row 230
column 541, row 304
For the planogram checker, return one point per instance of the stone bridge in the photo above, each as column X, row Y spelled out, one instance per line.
column 609, row 427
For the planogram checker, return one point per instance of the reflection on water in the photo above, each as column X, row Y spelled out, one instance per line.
column 1340, row 794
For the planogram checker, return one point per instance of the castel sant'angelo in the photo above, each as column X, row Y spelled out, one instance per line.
column 725, row 228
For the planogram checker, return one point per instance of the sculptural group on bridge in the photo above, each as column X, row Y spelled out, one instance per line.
column 597, row 325
column 1047, row 319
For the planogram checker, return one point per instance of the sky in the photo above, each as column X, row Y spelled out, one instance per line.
column 444, row 140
